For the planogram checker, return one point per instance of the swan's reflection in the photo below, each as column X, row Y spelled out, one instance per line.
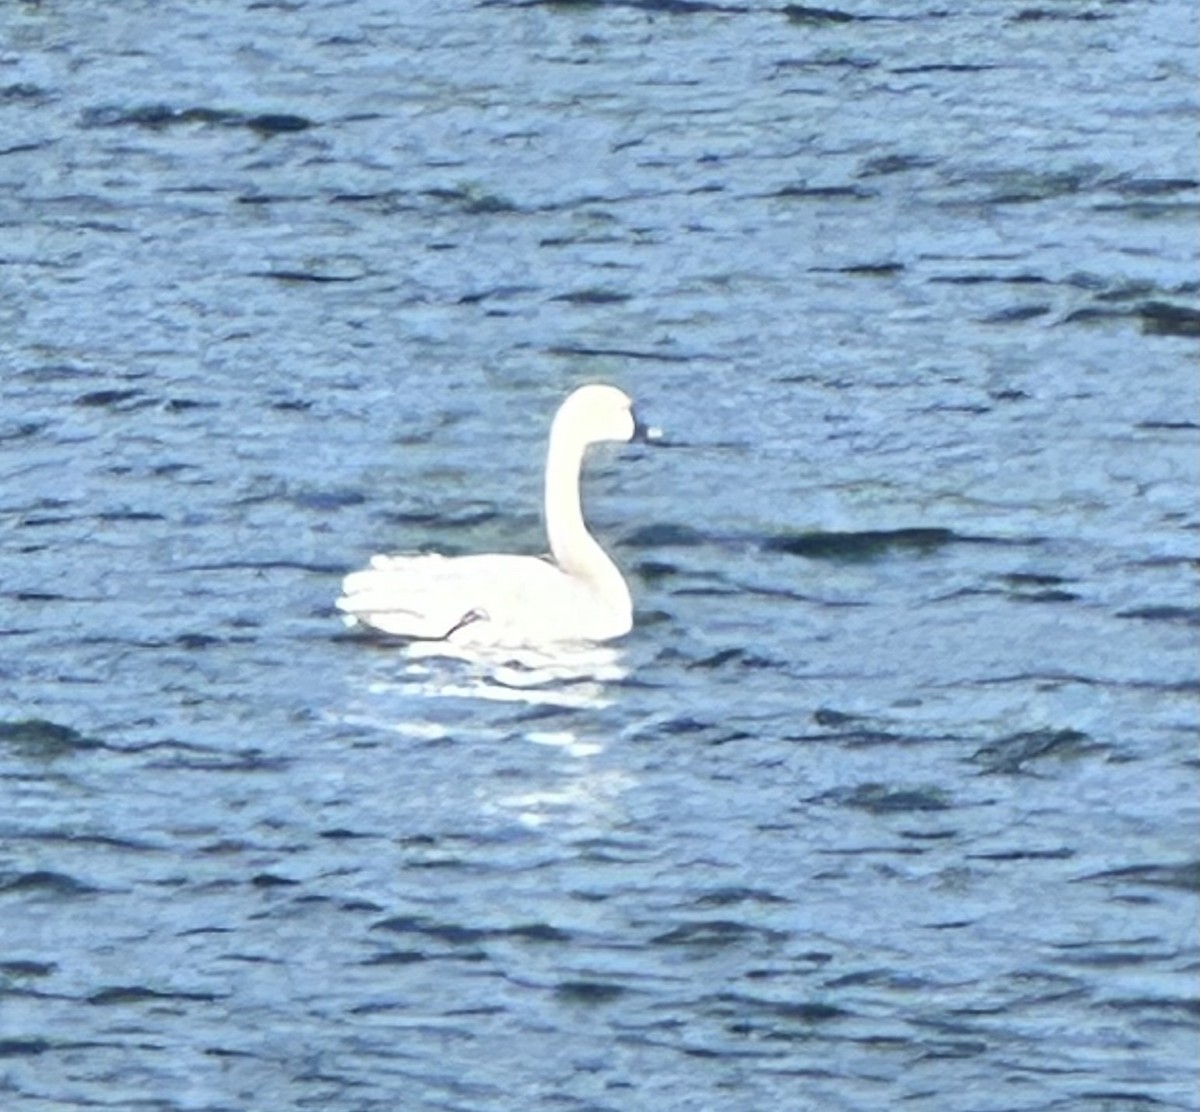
column 550, row 700
column 563, row 675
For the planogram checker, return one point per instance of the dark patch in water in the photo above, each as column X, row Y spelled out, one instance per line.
column 466, row 517
column 663, row 535
column 825, row 716
column 499, row 293
column 44, row 520
column 664, row 7
column 153, row 116
column 455, row 934
column 316, row 276
column 25, row 148
column 228, row 1052
column 1168, row 426
column 1161, row 318
column 1185, row 615
column 1063, row 854
column 23, row 91
column 715, row 933
column 35, row 737
column 622, row 353
column 823, row 193
column 1156, row 317
column 866, row 545
column 894, row 164
column 852, row 738
column 945, row 67
column 27, row 968
column 952, row 1048
column 878, row 976
column 197, row 641
column 328, row 499
column 272, row 880
column 683, row 725
column 22, row 430
column 1016, row 314
column 988, row 279
column 851, row 730
column 817, row 17
column 215, row 761
column 397, row 957
column 652, row 571
column 1038, row 15
column 1032, row 579
column 741, row 657
column 589, row 992
column 1011, row 754
column 138, row 994
column 106, row 841
column 110, row 398
column 862, row 270
column 1185, row 876
column 593, row 297
column 184, row 404
column 472, row 202
column 1023, row 187
column 1121, row 952
column 788, row 1011
column 157, row 117
column 44, row 881
column 879, row 799
column 1130, row 291
column 23, row 1048
column 729, row 897
column 1151, row 187
column 276, row 123
column 265, row 565
column 1184, row 1007
column 129, row 515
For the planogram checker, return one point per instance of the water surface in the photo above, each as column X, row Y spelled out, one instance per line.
column 889, row 800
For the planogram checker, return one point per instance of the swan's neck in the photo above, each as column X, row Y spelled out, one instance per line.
column 574, row 549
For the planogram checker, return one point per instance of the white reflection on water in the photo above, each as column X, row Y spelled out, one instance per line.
column 589, row 799
column 567, row 676
column 432, row 694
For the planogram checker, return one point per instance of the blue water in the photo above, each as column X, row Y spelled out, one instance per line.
column 890, row 798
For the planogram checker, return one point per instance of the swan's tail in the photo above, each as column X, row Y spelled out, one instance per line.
column 398, row 595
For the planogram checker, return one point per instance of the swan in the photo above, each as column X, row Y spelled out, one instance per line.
column 577, row 594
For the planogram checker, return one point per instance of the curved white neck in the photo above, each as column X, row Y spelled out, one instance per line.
column 574, row 549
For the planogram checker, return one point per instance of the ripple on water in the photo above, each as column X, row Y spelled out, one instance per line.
column 889, row 801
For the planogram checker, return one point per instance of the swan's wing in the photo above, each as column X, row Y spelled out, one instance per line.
column 434, row 597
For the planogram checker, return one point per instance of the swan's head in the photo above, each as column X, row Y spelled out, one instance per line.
column 597, row 412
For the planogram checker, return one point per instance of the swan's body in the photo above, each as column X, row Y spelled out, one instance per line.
column 578, row 594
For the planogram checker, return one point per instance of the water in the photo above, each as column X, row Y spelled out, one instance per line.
column 888, row 801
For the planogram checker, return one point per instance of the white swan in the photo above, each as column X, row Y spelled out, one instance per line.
column 494, row 599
